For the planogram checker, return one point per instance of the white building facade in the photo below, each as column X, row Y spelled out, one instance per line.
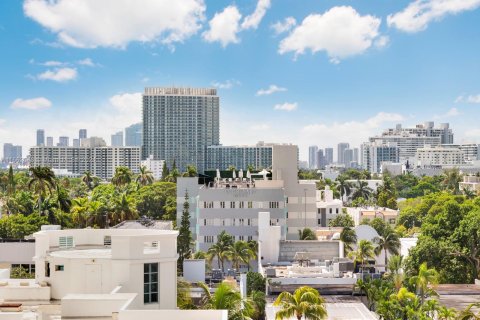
column 439, row 156
column 154, row 166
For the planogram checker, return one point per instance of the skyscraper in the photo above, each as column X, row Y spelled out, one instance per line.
column 82, row 134
column 133, row 135
column 40, row 137
column 49, row 141
column 341, row 151
column 11, row 152
column 117, row 139
column 62, row 142
column 76, row 143
column 328, row 155
column 312, row 157
column 348, row 157
column 179, row 124
column 320, row 159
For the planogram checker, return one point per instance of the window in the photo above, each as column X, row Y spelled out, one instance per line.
column 392, row 221
column 59, row 267
column 319, row 221
column 249, row 238
column 232, row 204
column 65, row 242
column 250, row 204
column 273, row 205
column 107, row 240
column 241, row 221
column 336, row 210
column 331, row 210
column 150, row 282
column 248, row 222
column 208, row 239
column 240, row 238
column 47, row 269
column 222, row 204
column 241, row 205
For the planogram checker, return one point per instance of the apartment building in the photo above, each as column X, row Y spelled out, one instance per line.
column 221, row 157
column 376, row 153
column 100, row 161
column 439, row 156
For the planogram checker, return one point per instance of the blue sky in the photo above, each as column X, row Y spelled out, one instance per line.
column 340, row 70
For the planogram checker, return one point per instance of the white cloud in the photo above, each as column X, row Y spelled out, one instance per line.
column 115, row 23
column 31, row 104
column 260, row 127
column 59, row 74
column 86, row 62
column 340, row 32
column 287, row 106
column 271, row 89
column 453, row 112
column 381, row 41
column 53, row 63
column 419, row 13
column 475, row 99
column 224, row 26
column 225, row 85
column 284, row 26
column 252, row 21
column 128, row 103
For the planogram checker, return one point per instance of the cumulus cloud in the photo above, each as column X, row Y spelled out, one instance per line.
column 419, row 13
column 284, row 26
column 453, row 112
column 340, row 32
column 252, row 21
column 224, row 26
column 287, row 106
column 226, row 85
column 86, row 62
column 115, row 23
column 128, row 103
column 468, row 99
column 31, row 104
column 271, row 89
column 59, row 74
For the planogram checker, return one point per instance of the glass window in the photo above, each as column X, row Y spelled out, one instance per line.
column 59, row 267
column 150, row 282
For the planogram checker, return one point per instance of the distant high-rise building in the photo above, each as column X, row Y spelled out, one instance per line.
column 348, row 157
column 312, row 157
column 117, row 139
column 76, row 143
column 426, row 129
column 133, row 135
column 82, row 134
column 258, row 156
column 40, row 137
column 49, row 141
column 63, row 142
column 356, row 155
column 328, row 155
column 376, row 153
column 11, row 152
column 321, row 161
column 179, row 124
column 342, row 146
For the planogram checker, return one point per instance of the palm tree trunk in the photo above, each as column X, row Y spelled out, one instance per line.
column 386, row 261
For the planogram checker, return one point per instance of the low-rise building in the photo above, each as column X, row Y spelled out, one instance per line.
column 360, row 214
column 327, row 207
column 439, row 156
column 471, row 183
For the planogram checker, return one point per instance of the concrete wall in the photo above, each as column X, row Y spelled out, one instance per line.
column 173, row 314
column 32, row 292
column 94, row 305
column 268, row 238
column 321, row 250
column 17, row 252
column 194, row 270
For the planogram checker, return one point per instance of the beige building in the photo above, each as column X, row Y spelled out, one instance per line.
column 358, row 214
column 471, row 183
column 439, row 156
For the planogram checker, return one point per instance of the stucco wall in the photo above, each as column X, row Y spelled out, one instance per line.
column 321, row 250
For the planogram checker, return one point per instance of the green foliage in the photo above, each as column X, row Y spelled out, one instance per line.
column 304, row 303
column 307, row 234
column 184, row 241
column 157, row 200
column 226, row 297
column 17, row 226
column 342, row 220
column 255, row 282
column 304, row 174
column 21, row 273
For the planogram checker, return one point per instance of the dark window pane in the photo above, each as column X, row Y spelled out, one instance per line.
column 154, row 267
column 154, row 297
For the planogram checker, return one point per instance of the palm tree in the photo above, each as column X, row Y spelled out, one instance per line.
column 259, row 303
column 97, row 214
column 348, row 237
column 87, row 178
column 226, row 297
column 423, row 280
column 144, row 177
column 253, row 245
column 452, row 180
column 364, row 251
column 444, row 313
column 220, row 248
column 63, row 199
column 42, row 180
column 362, row 190
column 122, row 176
column 304, row 302
column 469, row 194
column 468, row 313
column 239, row 253
column 389, row 243
column 306, row 234
column 191, row 171
column 79, row 211
column 344, row 187
column 395, row 266
column 124, row 209
column 199, row 255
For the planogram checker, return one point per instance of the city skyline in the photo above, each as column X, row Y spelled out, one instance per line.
column 404, row 70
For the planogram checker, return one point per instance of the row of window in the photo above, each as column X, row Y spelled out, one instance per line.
column 212, row 239
column 241, row 204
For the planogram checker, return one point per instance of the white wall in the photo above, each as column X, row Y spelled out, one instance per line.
column 17, row 252
column 173, row 314
column 268, row 239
